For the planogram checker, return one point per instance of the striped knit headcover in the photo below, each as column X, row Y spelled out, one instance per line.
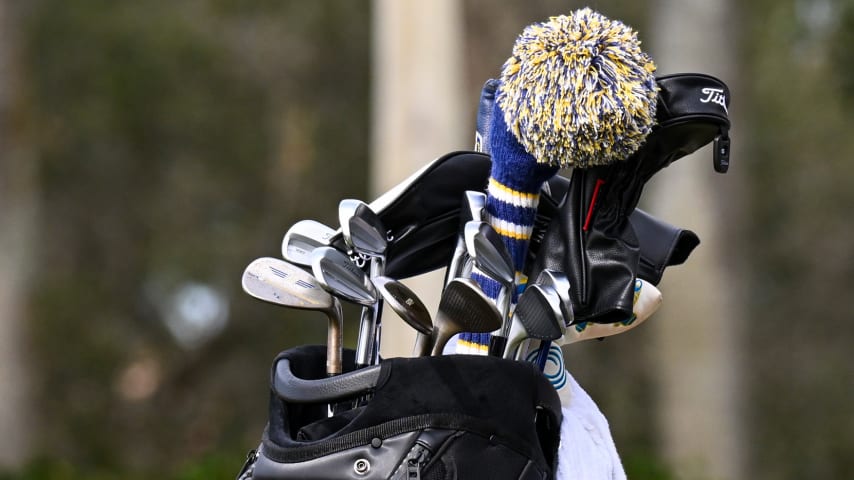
column 577, row 92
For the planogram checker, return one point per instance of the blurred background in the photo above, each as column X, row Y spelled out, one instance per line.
column 150, row 150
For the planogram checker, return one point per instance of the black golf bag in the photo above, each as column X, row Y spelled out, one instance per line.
column 453, row 417
column 471, row 417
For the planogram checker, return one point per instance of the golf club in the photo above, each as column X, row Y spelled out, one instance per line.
column 463, row 308
column 560, row 283
column 365, row 234
column 302, row 238
column 491, row 256
column 537, row 315
column 277, row 281
column 406, row 305
column 341, row 277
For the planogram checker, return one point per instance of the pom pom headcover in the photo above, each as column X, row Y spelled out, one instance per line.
column 578, row 90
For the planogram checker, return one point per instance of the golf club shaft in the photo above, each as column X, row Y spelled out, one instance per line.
column 377, row 269
column 334, row 342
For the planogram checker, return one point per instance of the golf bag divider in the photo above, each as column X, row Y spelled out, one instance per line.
column 293, row 389
column 448, row 417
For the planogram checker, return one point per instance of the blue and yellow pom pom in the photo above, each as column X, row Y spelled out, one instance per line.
column 579, row 91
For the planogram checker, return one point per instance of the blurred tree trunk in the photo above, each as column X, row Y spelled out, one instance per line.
column 418, row 110
column 17, row 222
column 696, row 340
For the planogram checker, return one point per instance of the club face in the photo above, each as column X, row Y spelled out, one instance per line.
column 465, row 308
column 302, row 238
column 489, row 252
column 539, row 312
column 362, row 228
column 560, row 283
column 341, row 277
column 367, row 232
column 277, row 281
column 405, row 304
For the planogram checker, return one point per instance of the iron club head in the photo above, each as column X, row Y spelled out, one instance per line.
column 302, row 238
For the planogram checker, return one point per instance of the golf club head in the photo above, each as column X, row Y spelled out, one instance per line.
column 463, row 308
column 538, row 315
column 489, row 252
column 560, row 283
column 338, row 275
column 362, row 229
column 277, row 281
column 302, row 238
column 405, row 304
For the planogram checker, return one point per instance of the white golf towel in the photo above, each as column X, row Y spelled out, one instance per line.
column 587, row 451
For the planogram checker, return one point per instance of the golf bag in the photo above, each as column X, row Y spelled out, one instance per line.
column 453, row 417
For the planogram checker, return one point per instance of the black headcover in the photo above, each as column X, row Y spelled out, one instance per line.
column 592, row 238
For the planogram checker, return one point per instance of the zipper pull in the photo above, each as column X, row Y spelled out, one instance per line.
column 721, row 154
column 413, row 469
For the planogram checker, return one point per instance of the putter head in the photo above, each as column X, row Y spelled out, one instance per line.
column 362, row 229
column 560, row 283
column 489, row 252
column 302, row 238
column 338, row 275
column 405, row 304
column 277, row 281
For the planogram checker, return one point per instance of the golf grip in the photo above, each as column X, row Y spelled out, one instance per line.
column 497, row 345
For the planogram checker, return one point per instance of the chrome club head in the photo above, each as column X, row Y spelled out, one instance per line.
column 338, row 275
column 362, row 229
column 282, row 283
column 560, row 283
column 302, row 238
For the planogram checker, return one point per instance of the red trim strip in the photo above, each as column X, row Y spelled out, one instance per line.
column 599, row 183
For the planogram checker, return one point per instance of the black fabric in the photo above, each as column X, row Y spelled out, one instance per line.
column 592, row 239
column 422, row 219
column 661, row 244
column 506, row 413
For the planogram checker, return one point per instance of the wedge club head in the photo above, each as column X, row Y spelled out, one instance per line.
column 463, row 308
column 282, row 283
column 405, row 304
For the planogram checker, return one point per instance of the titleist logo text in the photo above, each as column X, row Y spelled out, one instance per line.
column 715, row 95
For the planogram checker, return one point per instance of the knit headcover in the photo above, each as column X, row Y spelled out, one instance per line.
column 577, row 92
